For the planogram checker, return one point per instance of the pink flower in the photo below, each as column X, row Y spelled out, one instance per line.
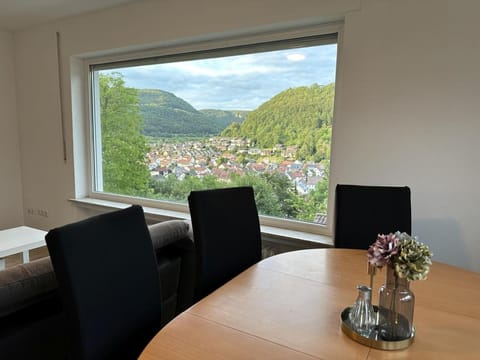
column 383, row 249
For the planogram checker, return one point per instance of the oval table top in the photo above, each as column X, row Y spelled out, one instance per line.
column 288, row 306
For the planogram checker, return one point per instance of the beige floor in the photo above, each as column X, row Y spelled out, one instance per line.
column 17, row 258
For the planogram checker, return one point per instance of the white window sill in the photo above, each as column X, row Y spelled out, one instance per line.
column 294, row 238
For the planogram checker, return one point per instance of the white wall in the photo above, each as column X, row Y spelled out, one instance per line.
column 406, row 95
column 409, row 115
column 10, row 176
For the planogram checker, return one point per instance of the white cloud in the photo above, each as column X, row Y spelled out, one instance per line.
column 295, row 57
column 223, row 67
column 237, row 82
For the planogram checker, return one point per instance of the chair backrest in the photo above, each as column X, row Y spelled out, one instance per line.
column 362, row 212
column 108, row 280
column 226, row 232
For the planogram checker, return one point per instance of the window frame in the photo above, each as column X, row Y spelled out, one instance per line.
column 169, row 51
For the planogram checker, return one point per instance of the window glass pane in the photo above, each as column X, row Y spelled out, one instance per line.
column 262, row 119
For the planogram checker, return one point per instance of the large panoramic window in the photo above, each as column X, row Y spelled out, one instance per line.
column 258, row 115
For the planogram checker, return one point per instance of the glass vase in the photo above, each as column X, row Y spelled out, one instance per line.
column 396, row 305
column 362, row 316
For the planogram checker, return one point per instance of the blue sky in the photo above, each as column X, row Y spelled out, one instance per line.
column 241, row 82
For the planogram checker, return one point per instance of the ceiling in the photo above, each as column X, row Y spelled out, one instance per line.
column 21, row 14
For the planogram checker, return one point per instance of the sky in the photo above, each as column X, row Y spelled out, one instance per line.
column 241, row 82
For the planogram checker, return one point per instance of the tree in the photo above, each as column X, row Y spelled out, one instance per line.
column 124, row 148
column 265, row 198
column 316, row 201
column 300, row 116
column 284, row 190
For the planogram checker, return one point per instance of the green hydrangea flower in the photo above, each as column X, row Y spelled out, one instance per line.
column 413, row 259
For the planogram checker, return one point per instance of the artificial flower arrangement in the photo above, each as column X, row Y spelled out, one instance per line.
column 406, row 259
column 409, row 258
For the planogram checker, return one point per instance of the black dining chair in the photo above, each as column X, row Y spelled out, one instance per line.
column 362, row 212
column 109, row 284
column 226, row 232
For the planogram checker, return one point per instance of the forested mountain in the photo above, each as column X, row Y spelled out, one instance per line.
column 299, row 116
column 223, row 118
column 165, row 114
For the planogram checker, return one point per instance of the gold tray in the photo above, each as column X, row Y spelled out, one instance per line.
column 373, row 340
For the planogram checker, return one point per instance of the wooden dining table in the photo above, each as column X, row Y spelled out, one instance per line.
column 288, row 306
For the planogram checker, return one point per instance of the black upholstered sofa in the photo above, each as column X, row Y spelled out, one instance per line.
column 32, row 324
